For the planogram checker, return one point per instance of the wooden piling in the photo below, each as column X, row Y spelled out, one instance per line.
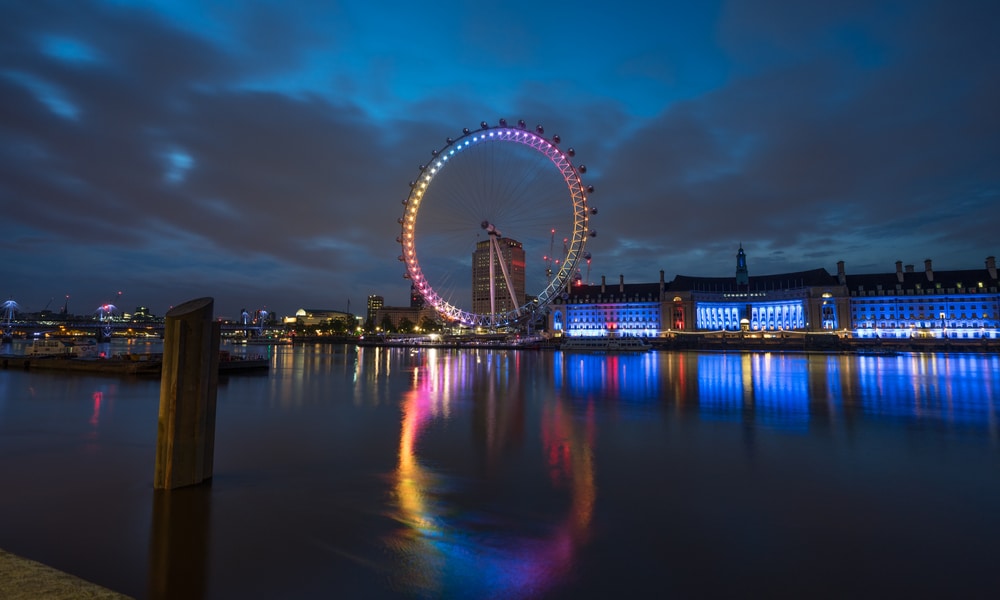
column 185, row 440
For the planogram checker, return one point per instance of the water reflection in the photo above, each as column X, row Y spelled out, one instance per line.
column 452, row 539
column 469, row 532
column 769, row 390
column 179, row 543
column 445, row 473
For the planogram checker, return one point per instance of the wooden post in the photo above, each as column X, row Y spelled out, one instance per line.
column 185, row 439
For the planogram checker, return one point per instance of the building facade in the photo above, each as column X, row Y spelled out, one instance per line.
column 963, row 304
column 396, row 316
column 634, row 310
column 416, row 298
column 512, row 258
column 374, row 304
column 316, row 316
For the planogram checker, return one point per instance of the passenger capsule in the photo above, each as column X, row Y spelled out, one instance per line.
column 449, row 141
column 465, row 130
column 556, row 139
column 590, row 189
column 434, row 152
column 593, row 210
column 520, row 123
column 539, row 129
column 484, row 125
column 571, row 152
column 503, row 122
column 582, row 168
column 593, row 233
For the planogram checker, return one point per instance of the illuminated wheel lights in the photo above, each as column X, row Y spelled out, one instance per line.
column 573, row 244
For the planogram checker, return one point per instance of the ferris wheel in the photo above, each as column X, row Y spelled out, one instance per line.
column 498, row 196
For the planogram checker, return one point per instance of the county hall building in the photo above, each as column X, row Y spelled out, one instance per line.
column 904, row 303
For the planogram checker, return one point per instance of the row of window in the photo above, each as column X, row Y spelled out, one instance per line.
column 921, row 307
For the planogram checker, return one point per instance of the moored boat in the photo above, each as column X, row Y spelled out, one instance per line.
column 58, row 347
column 605, row 344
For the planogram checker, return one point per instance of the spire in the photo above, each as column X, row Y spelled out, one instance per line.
column 742, row 275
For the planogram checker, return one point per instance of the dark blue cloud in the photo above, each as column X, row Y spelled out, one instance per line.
column 258, row 152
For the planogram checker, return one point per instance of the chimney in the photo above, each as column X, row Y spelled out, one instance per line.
column 899, row 271
column 928, row 270
column 621, row 284
column 909, row 268
column 991, row 266
column 841, row 274
column 603, row 289
column 663, row 284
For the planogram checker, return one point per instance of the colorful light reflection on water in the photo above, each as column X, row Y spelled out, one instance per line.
column 445, row 551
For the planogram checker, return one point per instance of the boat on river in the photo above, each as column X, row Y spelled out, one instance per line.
column 605, row 344
column 64, row 348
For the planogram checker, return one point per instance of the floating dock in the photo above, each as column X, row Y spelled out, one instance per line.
column 123, row 366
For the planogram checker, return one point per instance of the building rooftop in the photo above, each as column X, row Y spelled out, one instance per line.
column 779, row 281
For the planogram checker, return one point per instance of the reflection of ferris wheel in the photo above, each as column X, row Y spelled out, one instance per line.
column 492, row 180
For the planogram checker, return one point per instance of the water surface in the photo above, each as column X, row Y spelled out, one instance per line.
column 498, row 474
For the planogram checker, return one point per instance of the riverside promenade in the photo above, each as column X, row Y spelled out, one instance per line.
column 23, row 579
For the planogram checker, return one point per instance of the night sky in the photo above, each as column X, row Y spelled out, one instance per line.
column 258, row 152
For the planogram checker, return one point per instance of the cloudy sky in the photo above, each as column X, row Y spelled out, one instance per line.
column 257, row 152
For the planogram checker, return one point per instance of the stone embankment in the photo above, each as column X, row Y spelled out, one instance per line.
column 23, row 579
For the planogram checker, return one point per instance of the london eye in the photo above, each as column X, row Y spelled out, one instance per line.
column 478, row 224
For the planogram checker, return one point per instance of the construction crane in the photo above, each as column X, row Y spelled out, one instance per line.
column 548, row 259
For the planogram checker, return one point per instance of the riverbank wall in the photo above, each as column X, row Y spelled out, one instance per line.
column 23, row 579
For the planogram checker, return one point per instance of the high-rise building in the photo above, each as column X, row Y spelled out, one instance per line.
column 512, row 255
column 416, row 298
column 374, row 303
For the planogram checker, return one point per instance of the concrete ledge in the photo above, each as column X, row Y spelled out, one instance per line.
column 25, row 579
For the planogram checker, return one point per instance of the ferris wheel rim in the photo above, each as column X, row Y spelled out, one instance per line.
column 574, row 246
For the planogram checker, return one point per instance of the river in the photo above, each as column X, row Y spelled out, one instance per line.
column 371, row 472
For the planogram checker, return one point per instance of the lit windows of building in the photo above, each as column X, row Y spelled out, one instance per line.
column 512, row 257
column 374, row 304
column 961, row 304
column 625, row 310
column 926, row 304
column 416, row 298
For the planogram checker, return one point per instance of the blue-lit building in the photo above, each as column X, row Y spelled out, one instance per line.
column 603, row 310
column 960, row 304
column 903, row 304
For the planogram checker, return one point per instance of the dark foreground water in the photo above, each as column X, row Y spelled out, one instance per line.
column 366, row 473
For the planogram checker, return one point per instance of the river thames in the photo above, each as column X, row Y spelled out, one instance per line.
column 372, row 472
